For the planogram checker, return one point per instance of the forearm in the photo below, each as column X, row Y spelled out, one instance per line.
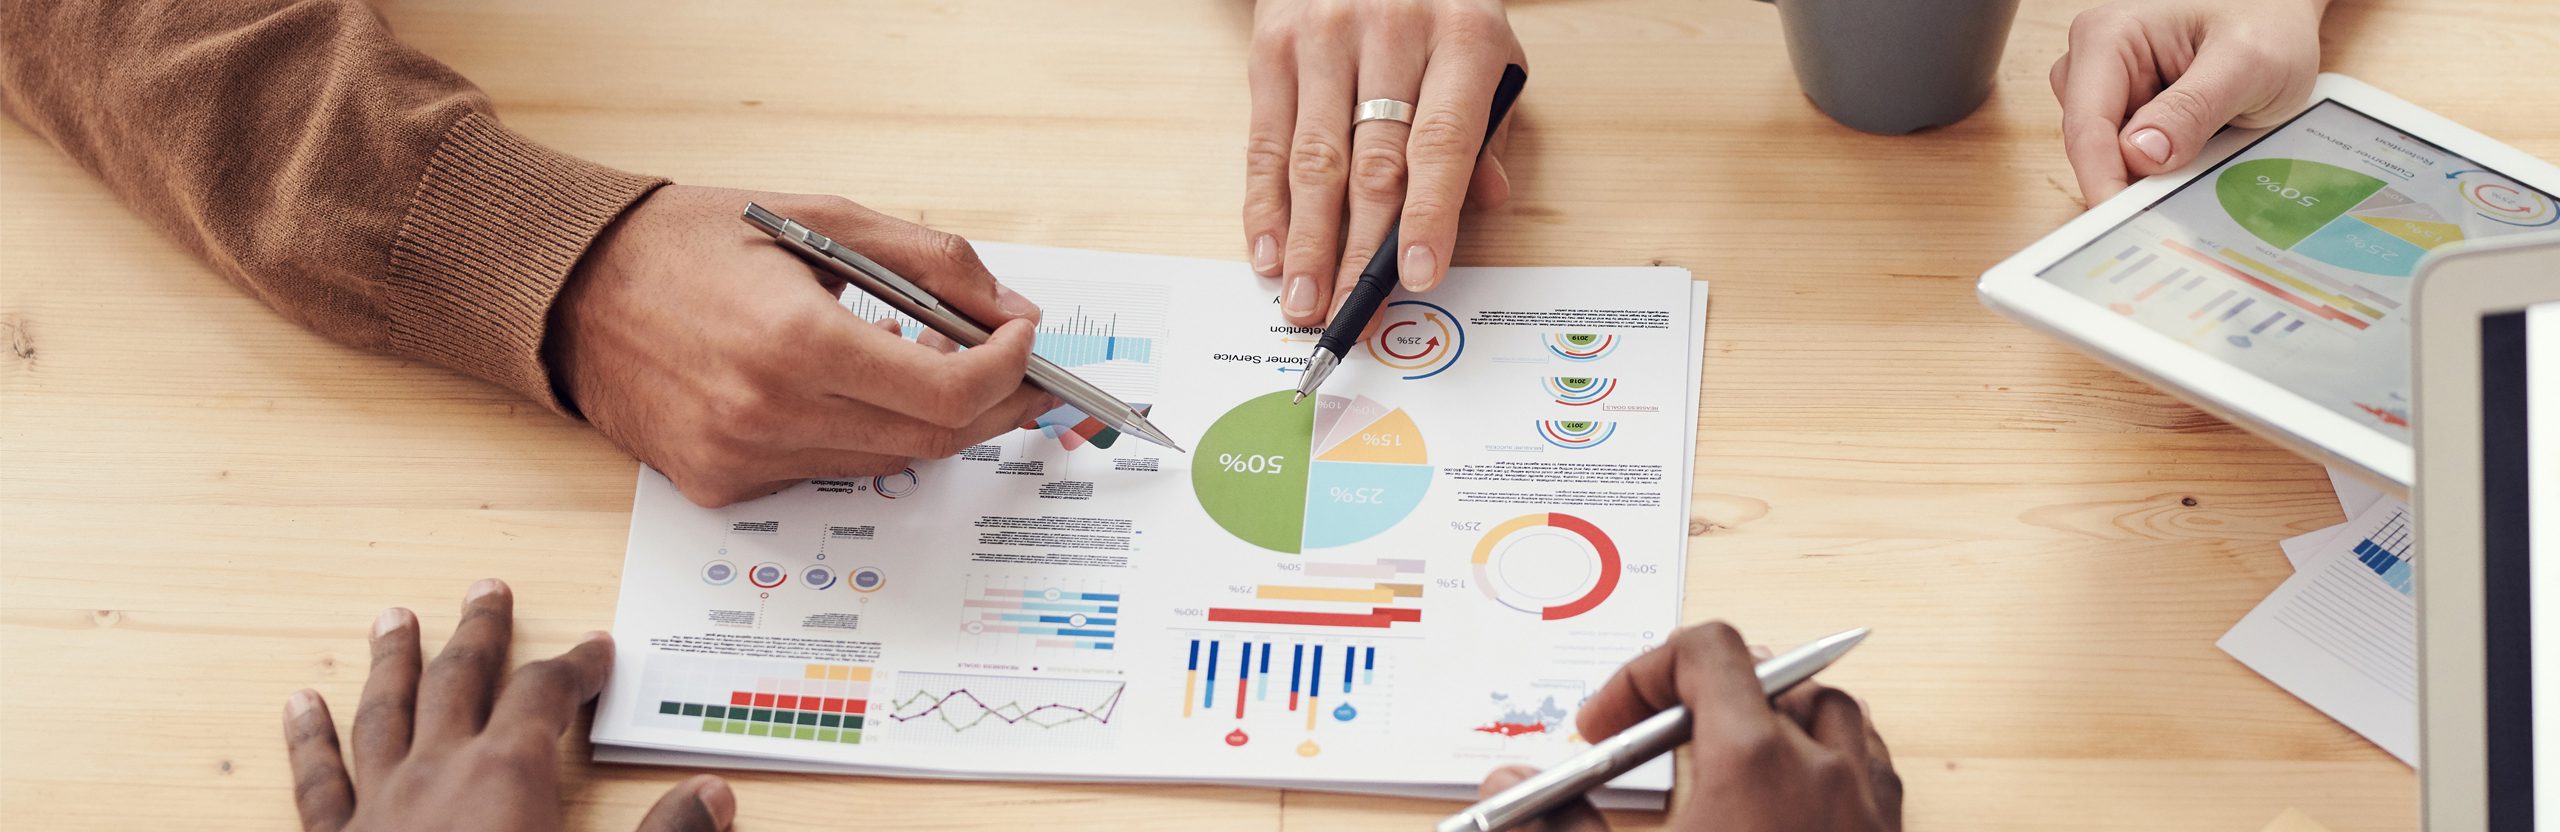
column 354, row 184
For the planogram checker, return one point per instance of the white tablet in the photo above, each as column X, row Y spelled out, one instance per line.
column 2268, row 281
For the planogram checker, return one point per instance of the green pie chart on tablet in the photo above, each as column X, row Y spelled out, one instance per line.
column 2333, row 215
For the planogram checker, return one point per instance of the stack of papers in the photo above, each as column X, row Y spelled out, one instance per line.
column 2342, row 633
column 1394, row 587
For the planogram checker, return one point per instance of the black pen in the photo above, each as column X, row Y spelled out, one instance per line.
column 1379, row 277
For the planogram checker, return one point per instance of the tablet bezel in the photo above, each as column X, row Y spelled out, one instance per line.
column 2458, row 286
column 2014, row 289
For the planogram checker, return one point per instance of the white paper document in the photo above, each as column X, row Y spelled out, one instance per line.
column 1394, row 587
column 2341, row 634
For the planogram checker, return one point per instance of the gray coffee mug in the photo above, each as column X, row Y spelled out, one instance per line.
column 1894, row 66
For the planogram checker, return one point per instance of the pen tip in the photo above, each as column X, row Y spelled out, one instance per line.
column 1300, row 397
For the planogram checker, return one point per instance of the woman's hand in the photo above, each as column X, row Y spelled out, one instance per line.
column 2244, row 63
column 1307, row 166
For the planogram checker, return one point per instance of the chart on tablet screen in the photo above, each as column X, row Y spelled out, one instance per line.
column 2293, row 259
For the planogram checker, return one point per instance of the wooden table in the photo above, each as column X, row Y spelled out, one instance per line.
column 202, row 506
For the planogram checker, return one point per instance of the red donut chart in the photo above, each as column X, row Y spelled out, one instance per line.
column 1551, row 544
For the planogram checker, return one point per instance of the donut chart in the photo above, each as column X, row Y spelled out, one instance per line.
column 1550, row 565
column 1417, row 339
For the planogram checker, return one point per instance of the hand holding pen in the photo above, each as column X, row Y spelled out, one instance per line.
column 1806, row 760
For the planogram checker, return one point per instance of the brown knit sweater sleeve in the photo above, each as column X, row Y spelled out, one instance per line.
column 354, row 184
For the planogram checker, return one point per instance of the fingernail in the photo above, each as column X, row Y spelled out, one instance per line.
column 301, row 703
column 1300, row 299
column 719, row 801
column 1503, row 778
column 595, row 635
column 1419, row 268
column 2152, row 143
column 1013, row 303
column 1761, row 652
column 482, row 588
column 1266, row 255
column 389, row 620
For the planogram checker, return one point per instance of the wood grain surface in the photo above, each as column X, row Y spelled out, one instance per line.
column 203, row 507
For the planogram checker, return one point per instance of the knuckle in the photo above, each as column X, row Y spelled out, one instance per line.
column 545, row 676
column 940, row 442
column 377, row 714
column 951, row 248
column 2085, row 124
column 1441, row 133
column 1483, row 22
column 1378, row 172
column 1314, row 161
column 1266, row 156
column 1832, row 772
column 461, row 657
column 2104, row 22
column 2184, row 107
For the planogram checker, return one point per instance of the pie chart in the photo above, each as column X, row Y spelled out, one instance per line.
column 2334, row 215
column 1329, row 472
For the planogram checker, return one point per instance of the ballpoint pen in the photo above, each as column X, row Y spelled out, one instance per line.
column 1619, row 754
column 1379, row 277
column 912, row 300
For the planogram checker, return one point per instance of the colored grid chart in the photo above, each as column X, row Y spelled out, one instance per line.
column 989, row 709
column 782, row 699
column 2386, row 551
column 1109, row 333
column 1067, row 615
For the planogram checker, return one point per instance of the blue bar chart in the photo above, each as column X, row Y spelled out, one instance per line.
column 1062, row 615
column 2385, row 550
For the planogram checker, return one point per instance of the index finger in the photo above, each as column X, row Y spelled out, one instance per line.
column 1705, row 667
column 2096, row 87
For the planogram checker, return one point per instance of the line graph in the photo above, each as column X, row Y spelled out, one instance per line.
column 1002, row 710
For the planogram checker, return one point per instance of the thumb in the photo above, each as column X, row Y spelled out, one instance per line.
column 2171, row 129
column 1577, row 815
column 701, row 804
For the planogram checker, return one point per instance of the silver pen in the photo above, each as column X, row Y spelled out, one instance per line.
column 1619, row 754
column 913, row 301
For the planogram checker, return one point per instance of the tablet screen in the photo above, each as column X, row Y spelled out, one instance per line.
column 2291, row 260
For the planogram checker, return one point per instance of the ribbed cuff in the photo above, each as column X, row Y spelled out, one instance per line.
column 496, row 225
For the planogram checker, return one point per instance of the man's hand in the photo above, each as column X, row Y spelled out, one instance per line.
column 703, row 349
column 1313, row 62
column 1810, row 764
column 2248, row 63
column 454, row 748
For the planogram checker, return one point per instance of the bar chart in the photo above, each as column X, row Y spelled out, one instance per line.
column 1276, row 682
column 1366, row 595
column 1107, row 332
column 1003, row 611
column 2386, row 550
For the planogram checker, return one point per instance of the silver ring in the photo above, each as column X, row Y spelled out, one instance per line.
column 1382, row 109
